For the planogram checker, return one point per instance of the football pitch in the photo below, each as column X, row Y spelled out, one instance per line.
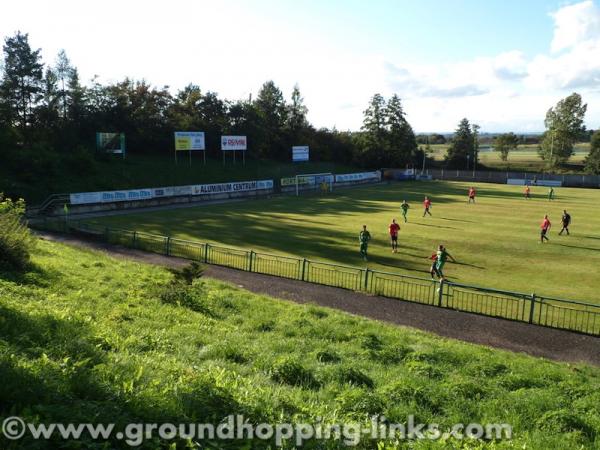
column 495, row 241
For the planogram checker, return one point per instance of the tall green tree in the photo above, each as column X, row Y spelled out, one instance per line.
column 505, row 143
column 22, row 80
column 272, row 111
column 592, row 161
column 475, row 156
column 461, row 146
column 564, row 125
column 296, row 116
column 64, row 72
column 402, row 142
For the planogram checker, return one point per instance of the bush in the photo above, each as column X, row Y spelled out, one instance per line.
column 16, row 241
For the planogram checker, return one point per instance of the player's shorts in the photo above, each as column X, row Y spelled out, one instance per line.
column 363, row 247
column 394, row 237
column 543, row 231
column 439, row 266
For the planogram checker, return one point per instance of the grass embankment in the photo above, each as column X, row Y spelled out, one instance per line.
column 495, row 241
column 140, row 171
column 86, row 338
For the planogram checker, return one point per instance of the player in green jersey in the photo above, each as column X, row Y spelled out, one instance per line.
column 551, row 193
column 442, row 256
column 404, row 207
column 364, row 237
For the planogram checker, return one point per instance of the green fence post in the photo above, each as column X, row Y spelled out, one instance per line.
column 531, row 309
column 367, row 279
column 168, row 245
column 441, row 292
column 250, row 262
column 134, row 239
column 303, row 269
column 206, row 253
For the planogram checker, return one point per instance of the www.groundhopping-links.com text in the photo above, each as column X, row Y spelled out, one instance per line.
column 236, row 427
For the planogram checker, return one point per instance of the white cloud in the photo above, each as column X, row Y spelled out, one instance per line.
column 575, row 24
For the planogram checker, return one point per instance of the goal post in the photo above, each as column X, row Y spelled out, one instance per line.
column 315, row 181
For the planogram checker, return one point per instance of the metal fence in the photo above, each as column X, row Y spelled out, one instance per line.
column 530, row 308
column 567, row 180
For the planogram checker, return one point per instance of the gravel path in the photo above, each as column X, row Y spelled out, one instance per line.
column 515, row 336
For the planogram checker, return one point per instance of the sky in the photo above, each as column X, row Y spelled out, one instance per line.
column 501, row 64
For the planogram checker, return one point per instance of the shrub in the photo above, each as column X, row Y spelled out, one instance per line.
column 16, row 241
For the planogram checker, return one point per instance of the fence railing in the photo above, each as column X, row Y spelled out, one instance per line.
column 530, row 308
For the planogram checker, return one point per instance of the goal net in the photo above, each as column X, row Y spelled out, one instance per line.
column 320, row 182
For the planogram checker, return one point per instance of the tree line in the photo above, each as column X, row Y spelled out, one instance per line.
column 48, row 121
column 47, row 114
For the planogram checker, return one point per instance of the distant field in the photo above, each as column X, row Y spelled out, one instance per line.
column 495, row 241
column 524, row 158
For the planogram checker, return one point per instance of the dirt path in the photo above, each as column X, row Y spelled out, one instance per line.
column 515, row 336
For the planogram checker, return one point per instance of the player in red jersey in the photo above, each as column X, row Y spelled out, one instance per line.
column 544, row 227
column 394, row 228
column 527, row 192
column 427, row 206
column 471, row 194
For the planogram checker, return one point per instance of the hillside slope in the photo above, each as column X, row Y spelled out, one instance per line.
column 88, row 338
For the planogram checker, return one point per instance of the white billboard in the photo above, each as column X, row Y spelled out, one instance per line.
column 189, row 140
column 233, row 143
column 300, row 153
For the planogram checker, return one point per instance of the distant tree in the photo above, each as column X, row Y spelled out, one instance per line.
column 22, row 80
column 564, row 125
column 505, row 143
column 64, row 72
column 272, row 113
column 402, row 143
column 296, row 117
column 475, row 129
column 592, row 161
column 462, row 145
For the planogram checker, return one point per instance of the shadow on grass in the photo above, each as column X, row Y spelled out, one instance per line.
column 56, row 370
column 579, row 247
column 33, row 275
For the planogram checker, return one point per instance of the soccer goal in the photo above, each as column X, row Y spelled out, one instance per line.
column 321, row 182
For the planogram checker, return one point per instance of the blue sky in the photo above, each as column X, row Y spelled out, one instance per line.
column 501, row 64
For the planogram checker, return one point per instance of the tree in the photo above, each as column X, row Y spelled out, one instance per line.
column 296, row 117
column 22, row 79
column 592, row 161
column 506, row 143
column 564, row 125
column 64, row 72
column 462, row 145
column 475, row 129
column 272, row 112
column 402, row 141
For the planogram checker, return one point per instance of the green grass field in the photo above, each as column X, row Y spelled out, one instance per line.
column 496, row 241
column 89, row 338
column 525, row 158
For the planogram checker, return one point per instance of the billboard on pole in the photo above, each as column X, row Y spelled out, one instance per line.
column 189, row 140
column 233, row 143
column 300, row 153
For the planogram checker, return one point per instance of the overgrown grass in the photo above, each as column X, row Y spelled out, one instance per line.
column 86, row 338
column 496, row 241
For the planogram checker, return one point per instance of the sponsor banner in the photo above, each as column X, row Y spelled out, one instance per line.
column 291, row 181
column 241, row 186
column 189, row 140
column 361, row 176
column 85, row 197
column 174, row 191
column 233, row 143
column 522, row 182
column 300, row 153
